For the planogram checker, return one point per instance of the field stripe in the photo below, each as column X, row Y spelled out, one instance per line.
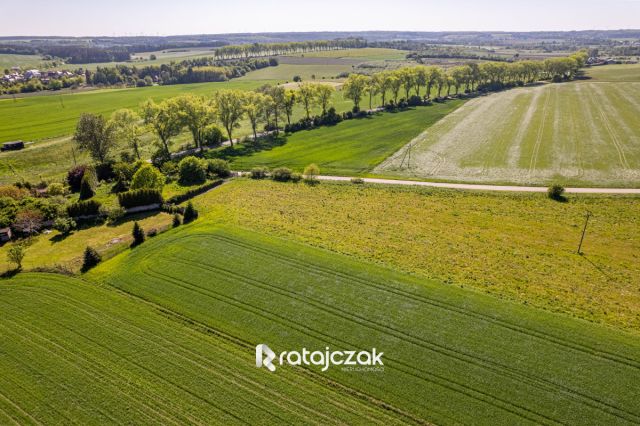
column 497, row 368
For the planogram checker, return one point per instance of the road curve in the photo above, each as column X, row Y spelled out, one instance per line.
column 481, row 187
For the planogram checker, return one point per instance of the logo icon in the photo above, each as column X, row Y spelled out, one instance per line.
column 265, row 356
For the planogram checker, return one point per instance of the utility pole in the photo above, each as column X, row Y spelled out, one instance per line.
column 584, row 231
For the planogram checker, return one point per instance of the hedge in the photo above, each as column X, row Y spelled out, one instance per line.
column 139, row 197
column 181, row 198
column 84, row 208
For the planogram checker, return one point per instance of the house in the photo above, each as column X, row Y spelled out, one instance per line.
column 12, row 146
column 32, row 74
column 5, row 235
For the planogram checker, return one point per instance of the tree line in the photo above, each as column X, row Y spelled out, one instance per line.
column 275, row 49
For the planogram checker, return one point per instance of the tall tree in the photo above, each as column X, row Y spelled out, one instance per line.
column 229, row 105
column 354, row 88
column 196, row 114
column 93, row 134
column 324, row 94
column 308, row 96
column 128, row 129
column 255, row 105
column 164, row 119
column 289, row 103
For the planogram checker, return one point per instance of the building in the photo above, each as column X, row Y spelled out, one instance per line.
column 12, row 146
column 5, row 235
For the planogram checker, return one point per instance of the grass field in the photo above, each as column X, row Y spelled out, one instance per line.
column 352, row 147
column 616, row 73
column 286, row 72
column 582, row 133
column 516, row 246
column 8, row 61
column 75, row 353
column 451, row 356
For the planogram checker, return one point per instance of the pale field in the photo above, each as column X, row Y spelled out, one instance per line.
column 585, row 133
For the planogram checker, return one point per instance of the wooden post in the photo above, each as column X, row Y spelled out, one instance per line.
column 584, row 231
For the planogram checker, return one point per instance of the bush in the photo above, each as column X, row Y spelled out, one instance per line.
column 148, row 177
column 84, row 208
column 86, row 188
column 104, row 171
column 176, row 220
column 296, row 177
column 357, row 181
column 281, row 174
column 139, row 197
column 74, row 177
column 218, row 167
column 170, row 168
column 64, row 225
column 91, row 258
column 56, row 189
column 138, row 235
column 192, row 170
column 190, row 213
column 212, row 135
column 311, row 172
column 258, row 173
column 15, row 254
column 556, row 192
column 113, row 214
column 414, row 100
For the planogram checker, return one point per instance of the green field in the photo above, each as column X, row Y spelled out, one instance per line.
column 451, row 356
column 352, row 147
column 616, row 73
column 76, row 353
column 520, row 247
column 8, row 61
column 580, row 133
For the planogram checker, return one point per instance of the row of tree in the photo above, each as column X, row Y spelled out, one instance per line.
column 471, row 77
column 274, row 49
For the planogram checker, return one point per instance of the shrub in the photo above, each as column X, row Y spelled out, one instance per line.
column 192, row 170
column 218, row 167
column 16, row 254
column 113, row 214
column 148, row 177
column 86, row 188
column 212, row 135
column 311, row 173
column 357, row 181
column 138, row 235
column 190, row 213
column 139, row 197
column 152, row 232
column 74, row 177
column 104, row 171
column 281, row 174
column 64, row 225
column 556, row 192
column 258, row 173
column 176, row 220
column 91, row 259
column 296, row 177
column 84, row 208
column 56, row 189
column 170, row 168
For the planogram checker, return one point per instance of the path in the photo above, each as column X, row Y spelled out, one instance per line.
column 478, row 187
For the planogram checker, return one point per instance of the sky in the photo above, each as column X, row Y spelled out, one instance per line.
column 177, row 17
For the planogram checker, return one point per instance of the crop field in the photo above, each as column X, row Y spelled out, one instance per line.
column 450, row 356
column 51, row 116
column 583, row 133
column 520, row 247
column 7, row 61
column 286, row 72
column 73, row 352
column 616, row 73
column 352, row 147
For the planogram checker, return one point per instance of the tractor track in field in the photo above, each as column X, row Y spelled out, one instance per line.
column 429, row 377
column 540, row 135
column 209, row 366
column 614, row 137
column 489, row 365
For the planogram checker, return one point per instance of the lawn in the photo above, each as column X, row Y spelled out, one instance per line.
column 73, row 352
column 352, row 147
column 579, row 133
column 515, row 246
column 450, row 355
